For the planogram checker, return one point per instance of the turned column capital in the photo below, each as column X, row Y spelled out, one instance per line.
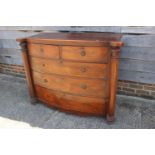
column 115, row 49
column 23, row 46
column 115, row 52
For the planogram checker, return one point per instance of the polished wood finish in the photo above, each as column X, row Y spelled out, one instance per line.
column 60, row 67
column 77, row 86
column 25, row 58
column 74, row 72
column 85, row 54
column 44, row 51
column 73, row 39
column 78, row 104
column 115, row 53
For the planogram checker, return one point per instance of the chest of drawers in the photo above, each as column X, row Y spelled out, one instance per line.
column 74, row 72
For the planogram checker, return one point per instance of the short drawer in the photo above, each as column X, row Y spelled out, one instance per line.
column 90, row 70
column 87, row 54
column 45, row 51
column 78, row 86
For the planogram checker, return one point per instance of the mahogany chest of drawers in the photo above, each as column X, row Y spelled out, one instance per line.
column 74, row 72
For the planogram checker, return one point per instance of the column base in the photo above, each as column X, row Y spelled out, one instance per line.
column 110, row 119
column 33, row 100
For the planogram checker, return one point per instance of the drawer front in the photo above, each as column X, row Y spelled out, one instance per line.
column 45, row 51
column 69, row 102
column 69, row 68
column 81, row 86
column 87, row 54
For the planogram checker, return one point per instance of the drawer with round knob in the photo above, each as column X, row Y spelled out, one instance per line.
column 88, row 70
column 45, row 51
column 79, row 104
column 82, row 87
column 86, row 54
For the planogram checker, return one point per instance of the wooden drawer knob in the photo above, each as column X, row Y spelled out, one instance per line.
column 45, row 80
column 83, row 86
column 43, row 65
column 60, row 61
column 83, row 69
column 41, row 50
column 82, row 53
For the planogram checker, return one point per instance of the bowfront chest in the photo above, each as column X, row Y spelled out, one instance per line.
column 74, row 72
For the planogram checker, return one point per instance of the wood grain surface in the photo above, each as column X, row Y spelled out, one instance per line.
column 80, row 78
column 45, row 51
column 86, row 54
column 60, row 67
column 78, row 86
column 79, row 104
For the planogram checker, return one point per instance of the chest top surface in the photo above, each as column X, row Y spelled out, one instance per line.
column 90, row 39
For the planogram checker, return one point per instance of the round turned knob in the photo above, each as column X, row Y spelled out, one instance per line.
column 60, row 61
column 42, row 50
column 82, row 53
column 45, row 80
column 83, row 86
column 83, row 69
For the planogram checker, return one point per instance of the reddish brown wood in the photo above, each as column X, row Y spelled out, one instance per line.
column 68, row 102
column 60, row 67
column 115, row 53
column 80, row 39
column 75, row 72
column 85, row 54
column 28, row 72
column 107, row 37
column 78, row 86
column 44, row 51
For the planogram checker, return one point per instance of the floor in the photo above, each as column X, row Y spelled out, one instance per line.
column 17, row 112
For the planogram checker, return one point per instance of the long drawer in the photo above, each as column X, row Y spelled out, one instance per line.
column 95, row 106
column 91, row 70
column 86, row 54
column 78, row 86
